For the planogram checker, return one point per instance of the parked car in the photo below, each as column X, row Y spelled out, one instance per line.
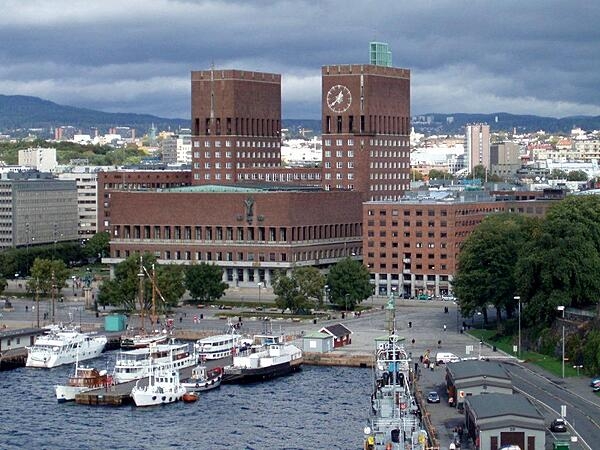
column 595, row 384
column 558, row 426
column 448, row 297
column 433, row 397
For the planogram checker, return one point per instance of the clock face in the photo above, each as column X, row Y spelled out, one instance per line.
column 339, row 98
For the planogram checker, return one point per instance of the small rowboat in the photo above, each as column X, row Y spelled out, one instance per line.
column 190, row 397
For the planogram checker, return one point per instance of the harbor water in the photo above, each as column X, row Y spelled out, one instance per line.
column 316, row 408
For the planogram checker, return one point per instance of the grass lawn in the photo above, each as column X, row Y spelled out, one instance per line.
column 505, row 343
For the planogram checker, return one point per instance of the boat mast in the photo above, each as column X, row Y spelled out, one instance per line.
column 142, row 306
column 153, row 317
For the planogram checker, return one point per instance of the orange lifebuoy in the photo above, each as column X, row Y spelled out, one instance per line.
column 402, row 406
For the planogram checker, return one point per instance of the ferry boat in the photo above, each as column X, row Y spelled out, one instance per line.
column 270, row 357
column 137, row 363
column 395, row 419
column 163, row 387
column 64, row 345
column 221, row 345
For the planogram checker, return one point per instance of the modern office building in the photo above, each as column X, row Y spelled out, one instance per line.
column 477, row 145
column 42, row 159
column 36, row 209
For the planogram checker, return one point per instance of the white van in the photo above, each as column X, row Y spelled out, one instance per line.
column 445, row 358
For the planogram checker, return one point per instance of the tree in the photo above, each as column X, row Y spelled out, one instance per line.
column 3, row 285
column 301, row 291
column 559, row 266
column 204, row 282
column 435, row 174
column 416, row 175
column 558, row 174
column 287, row 292
column 170, row 284
column 577, row 175
column 486, row 264
column 97, row 245
column 123, row 290
column 349, row 283
column 46, row 273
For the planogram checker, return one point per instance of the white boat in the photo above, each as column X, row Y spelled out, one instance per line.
column 84, row 379
column 64, row 345
column 135, row 364
column 270, row 357
column 221, row 345
column 163, row 387
column 141, row 340
column 203, row 379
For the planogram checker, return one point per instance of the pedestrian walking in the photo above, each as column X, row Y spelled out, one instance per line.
column 444, row 327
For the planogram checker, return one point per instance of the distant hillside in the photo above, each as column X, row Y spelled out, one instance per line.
column 19, row 112
column 455, row 123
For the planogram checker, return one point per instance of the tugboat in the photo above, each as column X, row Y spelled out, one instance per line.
column 395, row 419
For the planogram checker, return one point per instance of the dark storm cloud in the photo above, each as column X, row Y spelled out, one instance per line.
column 533, row 56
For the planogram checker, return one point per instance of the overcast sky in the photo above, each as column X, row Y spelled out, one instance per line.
column 480, row 56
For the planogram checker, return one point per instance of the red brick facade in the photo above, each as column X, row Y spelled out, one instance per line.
column 366, row 130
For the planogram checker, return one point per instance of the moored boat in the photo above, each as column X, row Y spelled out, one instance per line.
column 163, row 387
column 203, row 379
column 84, row 379
column 135, row 364
column 270, row 357
column 64, row 345
column 395, row 419
column 131, row 341
column 221, row 345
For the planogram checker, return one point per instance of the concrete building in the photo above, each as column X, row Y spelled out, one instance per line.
column 42, row 159
column 86, row 180
column 505, row 159
column 36, row 211
column 177, row 149
column 497, row 420
column 477, row 145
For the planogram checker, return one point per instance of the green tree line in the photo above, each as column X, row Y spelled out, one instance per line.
column 541, row 263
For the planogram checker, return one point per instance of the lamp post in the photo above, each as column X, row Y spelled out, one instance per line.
column 518, row 299
column 326, row 287
column 562, row 308
column 27, row 254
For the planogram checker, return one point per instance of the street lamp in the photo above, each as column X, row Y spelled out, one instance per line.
column 326, row 287
column 518, row 299
column 562, row 308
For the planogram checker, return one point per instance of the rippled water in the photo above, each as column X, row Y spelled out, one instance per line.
column 317, row 408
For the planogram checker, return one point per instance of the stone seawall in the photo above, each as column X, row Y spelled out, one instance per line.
column 339, row 359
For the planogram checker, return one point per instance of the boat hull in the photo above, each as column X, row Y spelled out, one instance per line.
column 252, row 375
column 155, row 397
column 49, row 358
column 201, row 386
